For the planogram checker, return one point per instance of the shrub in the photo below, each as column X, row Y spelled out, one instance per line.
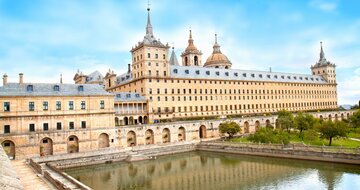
column 267, row 135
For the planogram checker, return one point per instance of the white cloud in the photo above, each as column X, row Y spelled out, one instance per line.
column 324, row 5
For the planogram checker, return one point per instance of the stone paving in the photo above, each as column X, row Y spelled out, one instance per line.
column 28, row 177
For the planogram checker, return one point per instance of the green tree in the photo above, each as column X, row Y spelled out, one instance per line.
column 286, row 120
column 304, row 122
column 230, row 128
column 355, row 119
column 330, row 130
column 268, row 135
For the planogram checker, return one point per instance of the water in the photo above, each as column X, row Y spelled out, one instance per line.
column 218, row 171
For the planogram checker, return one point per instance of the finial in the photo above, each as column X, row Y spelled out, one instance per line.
column 190, row 34
column 215, row 38
column 148, row 9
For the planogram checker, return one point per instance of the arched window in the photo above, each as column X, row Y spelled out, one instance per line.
column 186, row 61
column 196, row 62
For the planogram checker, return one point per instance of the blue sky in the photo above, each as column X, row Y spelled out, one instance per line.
column 43, row 38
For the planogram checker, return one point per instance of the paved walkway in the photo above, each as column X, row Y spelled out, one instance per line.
column 354, row 139
column 28, row 177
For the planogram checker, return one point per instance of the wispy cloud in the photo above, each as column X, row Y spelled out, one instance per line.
column 324, row 5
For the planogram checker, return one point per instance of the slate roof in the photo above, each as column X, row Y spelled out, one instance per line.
column 127, row 96
column 193, row 72
column 43, row 89
column 123, row 78
column 173, row 59
column 95, row 76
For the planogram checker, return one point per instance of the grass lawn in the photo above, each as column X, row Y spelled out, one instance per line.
column 317, row 142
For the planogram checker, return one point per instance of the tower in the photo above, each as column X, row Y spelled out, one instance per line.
column 217, row 59
column 150, row 56
column 191, row 56
column 324, row 68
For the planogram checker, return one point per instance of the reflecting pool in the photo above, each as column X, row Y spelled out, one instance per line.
column 216, row 171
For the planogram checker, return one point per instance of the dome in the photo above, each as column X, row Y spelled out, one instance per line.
column 217, row 59
column 191, row 48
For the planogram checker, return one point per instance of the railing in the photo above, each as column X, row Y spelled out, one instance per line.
column 301, row 147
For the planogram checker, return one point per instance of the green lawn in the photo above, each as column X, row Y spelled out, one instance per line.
column 345, row 142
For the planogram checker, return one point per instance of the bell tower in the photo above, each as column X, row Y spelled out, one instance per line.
column 324, row 68
column 191, row 56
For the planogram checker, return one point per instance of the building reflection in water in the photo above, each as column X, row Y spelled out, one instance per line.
column 202, row 170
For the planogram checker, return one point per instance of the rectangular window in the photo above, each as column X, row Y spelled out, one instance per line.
column 102, row 104
column 71, row 125
column 58, row 126
column 58, row 105
column 45, row 105
column 45, row 126
column 6, row 106
column 6, row 129
column 83, row 106
column 71, row 105
column 31, row 106
column 156, row 56
column 83, row 124
column 148, row 55
column 31, row 127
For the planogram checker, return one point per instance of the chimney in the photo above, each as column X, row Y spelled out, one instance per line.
column 129, row 68
column 21, row 78
column 5, row 79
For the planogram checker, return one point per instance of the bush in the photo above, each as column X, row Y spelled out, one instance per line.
column 311, row 135
column 267, row 135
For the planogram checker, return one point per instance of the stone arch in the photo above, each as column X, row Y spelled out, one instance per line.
column 140, row 119
column 196, row 60
column 276, row 123
column 257, row 125
column 166, row 135
column 321, row 117
column 246, row 127
column 9, row 148
column 336, row 117
column 126, row 120
column 181, row 134
column 342, row 116
column 131, row 138
column 202, row 132
column 348, row 116
column 330, row 117
column 267, row 123
column 72, row 144
column 131, row 120
column 186, row 61
column 103, row 140
column 149, row 136
column 117, row 123
column 46, row 146
column 145, row 118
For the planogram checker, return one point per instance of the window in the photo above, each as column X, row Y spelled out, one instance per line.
column 187, row 71
column 6, row 106
column 6, row 128
column 102, row 104
column 83, row 124
column 71, row 105
column 58, row 105
column 149, row 64
column 31, row 106
column 45, row 105
column 156, row 56
column 31, row 127
column 30, row 88
column 71, row 125
column 163, row 56
column 56, row 88
column 45, row 126
column 81, row 88
column 83, row 106
column 175, row 71
column 58, row 126
column 148, row 55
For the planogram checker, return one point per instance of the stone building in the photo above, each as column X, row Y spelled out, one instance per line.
column 214, row 89
column 38, row 118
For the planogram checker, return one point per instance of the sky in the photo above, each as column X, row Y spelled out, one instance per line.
column 46, row 38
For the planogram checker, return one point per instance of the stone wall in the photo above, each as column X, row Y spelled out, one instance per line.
column 281, row 152
column 8, row 177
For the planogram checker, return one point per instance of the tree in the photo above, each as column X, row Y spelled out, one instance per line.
column 330, row 130
column 229, row 127
column 355, row 119
column 286, row 120
column 304, row 122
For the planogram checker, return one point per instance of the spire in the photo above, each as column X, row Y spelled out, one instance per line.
column 216, row 46
column 322, row 54
column 191, row 41
column 173, row 59
column 61, row 79
column 149, row 30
